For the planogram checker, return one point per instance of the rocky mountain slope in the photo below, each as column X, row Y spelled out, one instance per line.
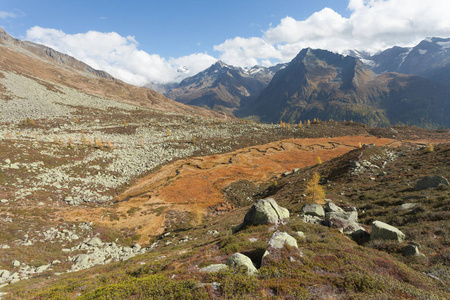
column 429, row 59
column 51, row 68
column 221, row 86
column 321, row 84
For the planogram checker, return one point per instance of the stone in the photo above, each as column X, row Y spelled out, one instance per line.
column 313, row 209
column 331, row 207
column 411, row 250
column 279, row 239
column 350, row 216
column 285, row 174
column 212, row 232
column 4, row 201
column 15, row 263
column 42, row 268
column 354, row 164
column 94, row 242
column 383, row 231
column 4, row 273
column 214, row 268
column 265, row 211
column 136, row 247
column 81, row 260
column 408, row 206
column 238, row 260
column 301, row 234
column 14, row 166
column 428, row 182
column 8, row 161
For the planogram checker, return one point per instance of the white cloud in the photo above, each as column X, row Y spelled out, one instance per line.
column 6, row 14
column 373, row 25
column 118, row 55
column 246, row 52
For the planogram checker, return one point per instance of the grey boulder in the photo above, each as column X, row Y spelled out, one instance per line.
column 239, row 260
column 279, row 239
column 331, row 207
column 428, row 182
column 265, row 211
column 383, row 231
column 313, row 209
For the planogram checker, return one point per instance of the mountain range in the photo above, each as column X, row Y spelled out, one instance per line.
column 396, row 86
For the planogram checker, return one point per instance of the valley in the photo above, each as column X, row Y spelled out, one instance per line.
column 112, row 191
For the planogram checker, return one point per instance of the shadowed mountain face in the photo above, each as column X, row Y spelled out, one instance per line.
column 222, row 87
column 48, row 67
column 321, row 84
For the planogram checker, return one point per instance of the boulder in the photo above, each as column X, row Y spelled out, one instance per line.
column 279, row 239
column 428, row 182
column 331, row 207
column 348, row 216
column 94, row 242
column 81, row 260
column 213, row 268
column 15, row 263
column 301, row 234
column 313, row 209
column 238, row 260
column 411, row 250
column 265, row 211
column 383, row 231
column 4, row 273
column 42, row 268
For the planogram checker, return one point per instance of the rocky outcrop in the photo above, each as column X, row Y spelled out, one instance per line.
column 428, row 182
column 383, row 231
column 239, row 260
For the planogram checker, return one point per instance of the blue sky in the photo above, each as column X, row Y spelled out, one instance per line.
column 148, row 41
column 170, row 28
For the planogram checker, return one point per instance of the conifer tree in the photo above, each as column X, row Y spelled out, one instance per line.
column 314, row 192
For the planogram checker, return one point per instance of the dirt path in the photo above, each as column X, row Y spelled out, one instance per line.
column 196, row 183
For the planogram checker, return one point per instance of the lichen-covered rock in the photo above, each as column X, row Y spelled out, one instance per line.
column 265, row 211
column 279, row 239
column 213, row 268
column 238, row 260
column 428, row 182
column 313, row 209
column 383, row 231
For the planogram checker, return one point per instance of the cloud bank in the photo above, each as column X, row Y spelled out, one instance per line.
column 373, row 25
column 119, row 55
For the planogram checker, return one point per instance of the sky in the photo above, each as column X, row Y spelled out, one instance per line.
column 148, row 41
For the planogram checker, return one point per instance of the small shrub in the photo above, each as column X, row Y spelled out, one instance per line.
column 429, row 148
